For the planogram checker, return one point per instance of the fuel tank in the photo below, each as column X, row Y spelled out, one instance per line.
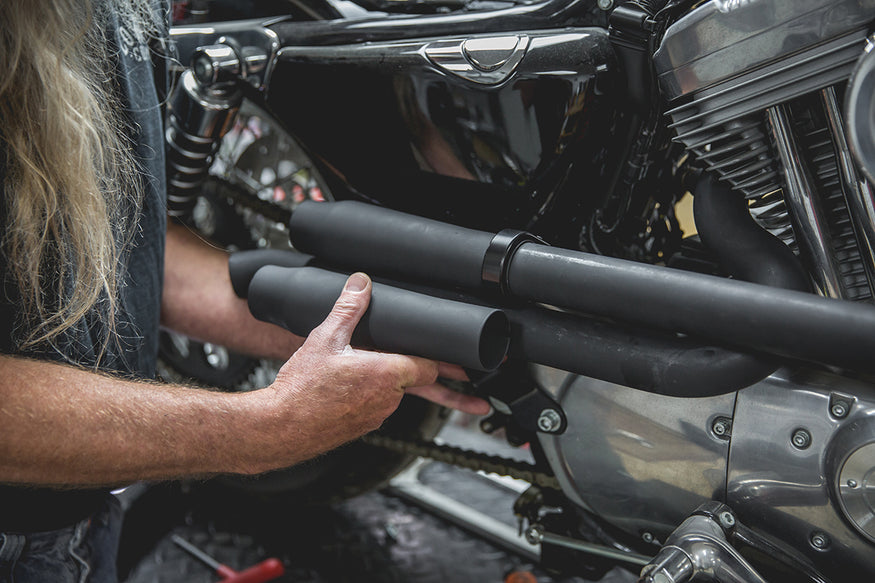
column 490, row 130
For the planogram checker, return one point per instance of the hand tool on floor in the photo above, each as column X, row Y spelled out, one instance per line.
column 266, row 570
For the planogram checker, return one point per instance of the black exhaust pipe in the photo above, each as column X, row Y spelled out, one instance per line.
column 299, row 298
column 648, row 360
column 732, row 313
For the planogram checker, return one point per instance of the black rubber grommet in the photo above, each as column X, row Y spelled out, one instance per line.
column 497, row 258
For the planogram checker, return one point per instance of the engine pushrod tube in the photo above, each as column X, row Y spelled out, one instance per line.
column 806, row 214
column 732, row 313
column 299, row 299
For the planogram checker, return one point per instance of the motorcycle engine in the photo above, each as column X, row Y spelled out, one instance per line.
column 759, row 94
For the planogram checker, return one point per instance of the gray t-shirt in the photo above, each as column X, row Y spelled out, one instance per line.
column 140, row 72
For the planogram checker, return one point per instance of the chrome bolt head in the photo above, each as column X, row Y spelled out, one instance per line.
column 727, row 520
column 839, row 409
column 535, row 534
column 647, row 537
column 852, row 483
column 801, row 439
column 819, row 541
column 721, row 427
column 549, row 421
column 606, row 4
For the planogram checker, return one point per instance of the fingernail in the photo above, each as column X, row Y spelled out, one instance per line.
column 356, row 282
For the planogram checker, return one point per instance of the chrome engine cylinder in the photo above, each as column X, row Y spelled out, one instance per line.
column 726, row 68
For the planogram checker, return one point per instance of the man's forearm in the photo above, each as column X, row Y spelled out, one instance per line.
column 65, row 426
column 198, row 300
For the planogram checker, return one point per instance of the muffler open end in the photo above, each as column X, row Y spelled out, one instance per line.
column 494, row 341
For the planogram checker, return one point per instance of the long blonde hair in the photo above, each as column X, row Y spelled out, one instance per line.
column 70, row 176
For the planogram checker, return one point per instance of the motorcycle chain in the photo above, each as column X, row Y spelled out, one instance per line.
column 463, row 458
column 244, row 198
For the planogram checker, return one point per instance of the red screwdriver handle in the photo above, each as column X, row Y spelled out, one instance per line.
column 266, row 570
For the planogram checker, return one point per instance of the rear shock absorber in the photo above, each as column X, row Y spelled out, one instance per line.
column 201, row 109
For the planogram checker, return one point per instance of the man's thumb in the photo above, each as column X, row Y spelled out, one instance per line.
column 349, row 308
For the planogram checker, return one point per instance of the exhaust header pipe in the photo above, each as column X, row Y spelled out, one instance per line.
column 732, row 313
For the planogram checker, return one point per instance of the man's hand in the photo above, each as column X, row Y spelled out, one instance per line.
column 198, row 301
column 329, row 393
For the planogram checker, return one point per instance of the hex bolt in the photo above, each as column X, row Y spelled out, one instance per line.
column 721, row 427
column 606, row 4
column 647, row 537
column 819, row 541
column 839, row 409
column 801, row 439
column 535, row 534
column 727, row 520
column 549, row 421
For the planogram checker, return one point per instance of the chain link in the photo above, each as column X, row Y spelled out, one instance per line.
column 467, row 459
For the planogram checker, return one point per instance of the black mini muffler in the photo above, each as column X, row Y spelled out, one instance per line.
column 732, row 313
column 397, row 320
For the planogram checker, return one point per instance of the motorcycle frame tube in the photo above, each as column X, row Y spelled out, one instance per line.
column 299, row 299
column 381, row 27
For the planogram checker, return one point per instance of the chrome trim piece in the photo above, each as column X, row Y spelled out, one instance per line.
column 698, row 550
column 856, row 488
column 486, row 60
column 803, row 204
column 256, row 45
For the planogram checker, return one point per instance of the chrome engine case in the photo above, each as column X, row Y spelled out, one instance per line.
column 645, row 462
